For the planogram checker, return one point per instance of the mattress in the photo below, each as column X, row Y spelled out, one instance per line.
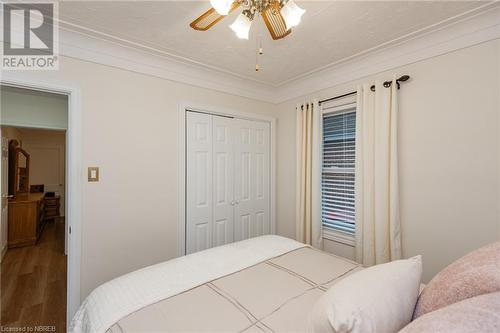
column 274, row 295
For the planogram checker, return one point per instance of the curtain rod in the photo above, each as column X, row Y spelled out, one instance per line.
column 387, row 84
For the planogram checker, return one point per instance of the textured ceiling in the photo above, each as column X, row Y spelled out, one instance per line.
column 331, row 31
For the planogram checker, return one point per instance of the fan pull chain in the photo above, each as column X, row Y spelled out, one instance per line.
column 259, row 52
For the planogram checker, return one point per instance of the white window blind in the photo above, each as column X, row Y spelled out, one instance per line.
column 337, row 185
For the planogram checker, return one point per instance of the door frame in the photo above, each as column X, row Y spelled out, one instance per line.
column 3, row 250
column 181, row 162
column 73, row 172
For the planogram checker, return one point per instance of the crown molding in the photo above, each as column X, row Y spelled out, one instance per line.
column 78, row 45
column 401, row 39
column 468, row 30
column 483, row 27
column 164, row 53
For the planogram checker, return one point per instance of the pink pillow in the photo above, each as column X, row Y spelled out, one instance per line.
column 475, row 274
column 473, row 315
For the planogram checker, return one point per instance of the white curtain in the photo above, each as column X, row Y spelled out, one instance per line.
column 378, row 228
column 308, row 187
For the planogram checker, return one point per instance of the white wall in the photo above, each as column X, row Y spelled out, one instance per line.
column 21, row 107
column 130, row 131
column 47, row 151
column 449, row 155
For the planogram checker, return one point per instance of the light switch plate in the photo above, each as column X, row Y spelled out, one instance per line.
column 93, row 174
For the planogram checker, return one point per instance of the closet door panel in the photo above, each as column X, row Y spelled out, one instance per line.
column 262, row 178
column 251, row 179
column 199, row 184
column 223, row 180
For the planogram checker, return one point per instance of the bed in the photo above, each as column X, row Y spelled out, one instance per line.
column 275, row 284
column 264, row 284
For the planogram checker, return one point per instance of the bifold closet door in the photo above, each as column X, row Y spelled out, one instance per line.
column 252, row 176
column 199, row 207
column 227, row 180
column 210, row 181
column 223, row 181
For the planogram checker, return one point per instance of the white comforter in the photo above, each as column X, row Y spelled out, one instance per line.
column 126, row 294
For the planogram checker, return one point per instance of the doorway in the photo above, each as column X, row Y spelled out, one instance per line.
column 34, row 238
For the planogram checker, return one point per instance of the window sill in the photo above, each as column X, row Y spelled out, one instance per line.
column 339, row 236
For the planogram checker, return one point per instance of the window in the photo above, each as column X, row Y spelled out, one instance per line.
column 337, row 182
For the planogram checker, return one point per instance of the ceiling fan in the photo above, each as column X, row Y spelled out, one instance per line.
column 278, row 15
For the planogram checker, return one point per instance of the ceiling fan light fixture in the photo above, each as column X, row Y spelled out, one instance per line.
column 241, row 26
column 222, row 6
column 291, row 14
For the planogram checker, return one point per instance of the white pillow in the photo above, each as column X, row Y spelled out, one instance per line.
column 377, row 299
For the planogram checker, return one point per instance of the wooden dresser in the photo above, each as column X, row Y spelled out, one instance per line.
column 26, row 219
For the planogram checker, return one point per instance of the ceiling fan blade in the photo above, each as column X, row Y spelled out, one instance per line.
column 275, row 22
column 209, row 18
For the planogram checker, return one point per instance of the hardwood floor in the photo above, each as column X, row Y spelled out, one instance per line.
column 33, row 283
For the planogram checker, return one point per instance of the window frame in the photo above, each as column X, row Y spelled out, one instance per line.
column 328, row 232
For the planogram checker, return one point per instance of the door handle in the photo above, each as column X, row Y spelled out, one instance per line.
column 7, row 196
